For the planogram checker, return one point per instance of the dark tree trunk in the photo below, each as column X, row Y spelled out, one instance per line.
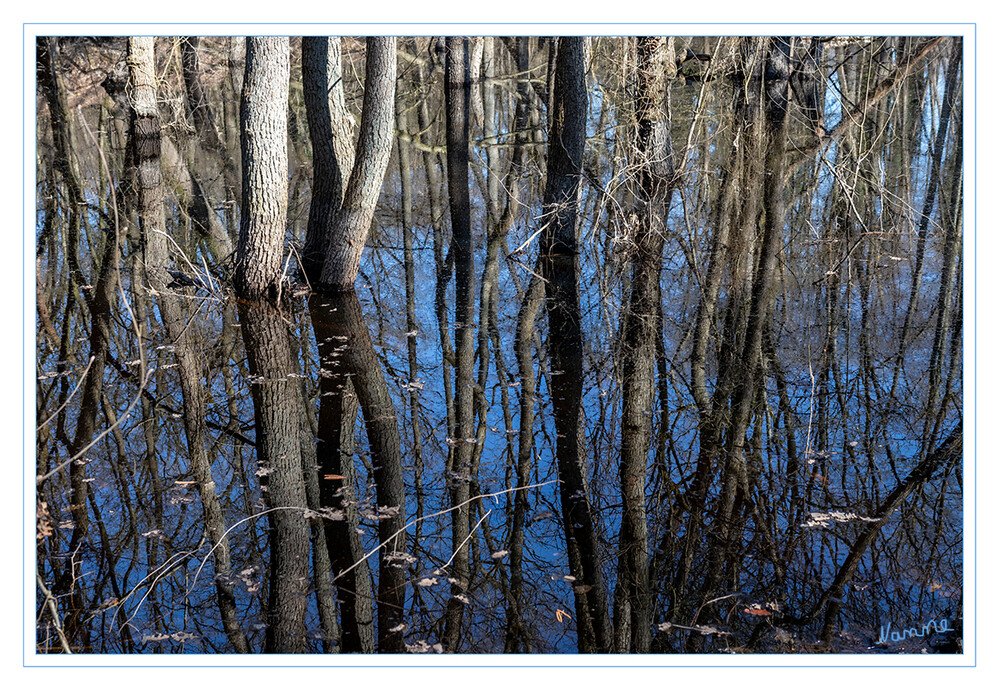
column 516, row 637
column 409, row 263
column 457, row 95
column 201, row 112
column 277, row 407
column 47, row 51
column 339, row 318
column 948, row 451
column 338, row 482
column 197, row 100
column 560, row 270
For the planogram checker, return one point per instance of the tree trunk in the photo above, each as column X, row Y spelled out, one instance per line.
column 145, row 135
column 332, row 133
column 201, row 112
column 339, row 318
column 348, row 231
column 338, row 482
column 278, row 413
column 654, row 158
column 560, row 270
column 457, row 95
column 264, row 146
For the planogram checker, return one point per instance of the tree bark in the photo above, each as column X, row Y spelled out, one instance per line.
column 264, row 147
column 277, row 411
column 348, row 231
column 332, row 133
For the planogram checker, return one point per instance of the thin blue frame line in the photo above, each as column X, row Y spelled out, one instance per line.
column 975, row 349
column 974, row 28
column 493, row 666
column 24, row 353
column 401, row 23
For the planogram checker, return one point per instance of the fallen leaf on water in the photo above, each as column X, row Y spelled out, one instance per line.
column 757, row 612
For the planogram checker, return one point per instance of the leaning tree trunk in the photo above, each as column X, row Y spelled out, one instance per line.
column 264, row 146
column 948, row 451
column 340, row 320
column 348, row 230
column 338, row 482
column 332, row 135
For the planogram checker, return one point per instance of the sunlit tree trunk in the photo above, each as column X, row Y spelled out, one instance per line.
column 264, row 146
column 347, row 232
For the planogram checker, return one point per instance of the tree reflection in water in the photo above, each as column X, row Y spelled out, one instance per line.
column 709, row 397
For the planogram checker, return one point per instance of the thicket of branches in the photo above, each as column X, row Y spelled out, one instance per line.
column 656, row 344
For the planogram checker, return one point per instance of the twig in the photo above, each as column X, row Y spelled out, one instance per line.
column 160, row 573
column 51, row 605
column 470, row 533
column 128, row 308
column 83, row 377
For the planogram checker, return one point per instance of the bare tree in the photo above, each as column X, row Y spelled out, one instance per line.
column 145, row 155
column 347, row 232
column 457, row 99
column 654, row 169
column 263, row 142
column 560, row 270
